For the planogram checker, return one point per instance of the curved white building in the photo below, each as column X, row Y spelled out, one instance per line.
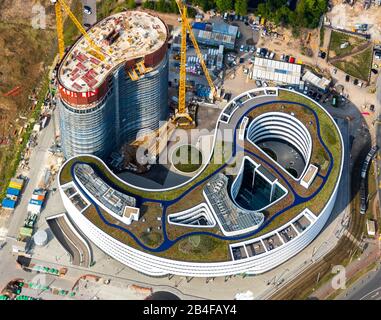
column 240, row 212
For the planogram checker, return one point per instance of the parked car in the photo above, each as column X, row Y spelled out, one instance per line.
column 87, row 10
column 258, row 83
column 265, row 84
column 272, row 55
column 242, row 48
column 291, row 60
column 347, row 78
column 374, row 71
column 322, row 54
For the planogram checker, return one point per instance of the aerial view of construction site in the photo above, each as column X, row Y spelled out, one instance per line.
column 190, row 150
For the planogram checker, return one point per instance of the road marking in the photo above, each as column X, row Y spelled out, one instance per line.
column 364, row 297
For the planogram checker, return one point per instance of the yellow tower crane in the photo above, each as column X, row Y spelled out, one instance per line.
column 182, row 112
column 59, row 5
column 185, row 26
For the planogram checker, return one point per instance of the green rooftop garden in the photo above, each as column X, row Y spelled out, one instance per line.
column 206, row 247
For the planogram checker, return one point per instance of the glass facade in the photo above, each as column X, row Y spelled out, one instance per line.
column 254, row 191
column 128, row 108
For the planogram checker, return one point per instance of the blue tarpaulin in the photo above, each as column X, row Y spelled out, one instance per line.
column 13, row 191
column 199, row 25
column 8, row 203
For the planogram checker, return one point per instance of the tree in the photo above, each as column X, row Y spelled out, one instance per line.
column 283, row 16
column 161, row 6
column 131, row 4
column 204, row 4
column 224, row 5
column 240, row 7
column 147, row 4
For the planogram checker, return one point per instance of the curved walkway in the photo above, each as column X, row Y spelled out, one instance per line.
column 76, row 247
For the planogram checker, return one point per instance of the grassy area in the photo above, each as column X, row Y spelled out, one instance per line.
column 108, row 7
column 187, row 158
column 167, row 195
column 14, row 153
column 199, row 248
column 71, row 33
column 358, row 65
column 207, row 248
column 15, row 158
column 339, row 38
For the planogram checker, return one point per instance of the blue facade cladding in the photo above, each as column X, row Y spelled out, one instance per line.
column 128, row 108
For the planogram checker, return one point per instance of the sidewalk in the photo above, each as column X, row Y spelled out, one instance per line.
column 369, row 256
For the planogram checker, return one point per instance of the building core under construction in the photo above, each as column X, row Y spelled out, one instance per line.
column 108, row 98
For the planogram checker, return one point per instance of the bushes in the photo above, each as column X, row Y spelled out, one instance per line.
column 131, row 4
column 306, row 15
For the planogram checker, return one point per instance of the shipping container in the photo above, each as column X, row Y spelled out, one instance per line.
column 15, row 185
column 13, row 191
column 8, row 203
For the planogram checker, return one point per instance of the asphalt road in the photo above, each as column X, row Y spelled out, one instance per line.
column 90, row 18
column 370, row 287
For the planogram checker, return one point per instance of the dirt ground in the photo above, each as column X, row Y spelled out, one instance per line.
column 169, row 18
column 25, row 55
column 285, row 43
column 344, row 16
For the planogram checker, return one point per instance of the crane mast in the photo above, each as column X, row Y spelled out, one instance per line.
column 59, row 5
column 185, row 26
